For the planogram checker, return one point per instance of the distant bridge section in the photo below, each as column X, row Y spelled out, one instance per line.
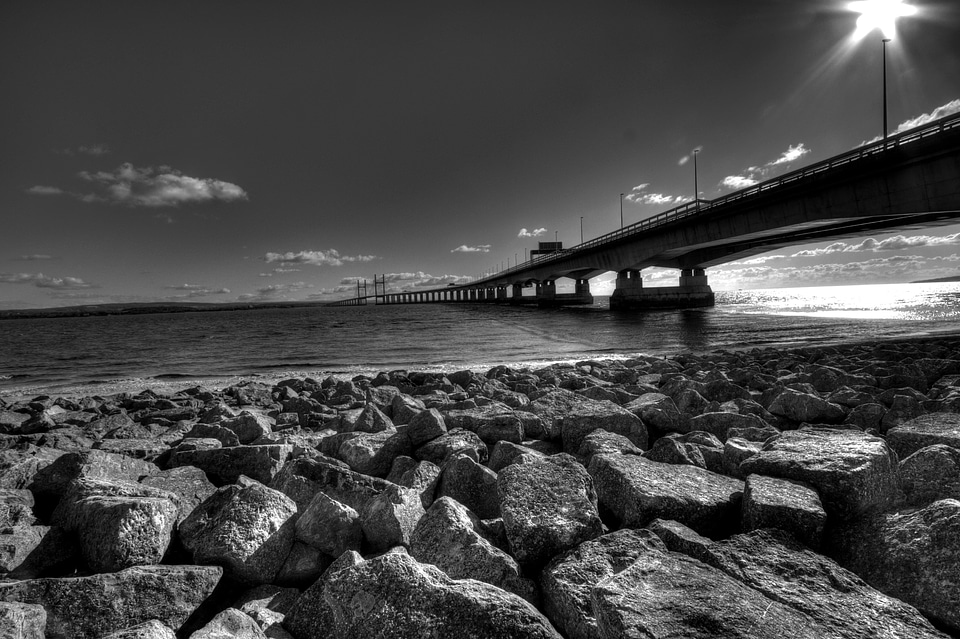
column 908, row 181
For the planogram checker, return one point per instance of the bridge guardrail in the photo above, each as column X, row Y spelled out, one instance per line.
column 700, row 206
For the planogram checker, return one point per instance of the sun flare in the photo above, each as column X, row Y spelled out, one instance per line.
column 879, row 14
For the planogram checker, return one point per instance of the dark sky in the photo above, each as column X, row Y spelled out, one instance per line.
column 218, row 151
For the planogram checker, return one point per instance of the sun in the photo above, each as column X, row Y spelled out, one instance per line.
column 879, row 14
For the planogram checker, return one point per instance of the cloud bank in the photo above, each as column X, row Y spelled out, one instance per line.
column 44, row 281
column 149, row 187
column 330, row 257
column 533, row 233
column 463, row 248
column 755, row 174
column 639, row 195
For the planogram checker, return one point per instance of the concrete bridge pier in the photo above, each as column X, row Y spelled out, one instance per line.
column 546, row 293
column 502, row 294
column 516, row 294
column 693, row 292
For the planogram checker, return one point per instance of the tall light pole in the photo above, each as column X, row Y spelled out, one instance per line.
column 696, row 180
column 621, row 210
column 885, row 129
column 581, row 229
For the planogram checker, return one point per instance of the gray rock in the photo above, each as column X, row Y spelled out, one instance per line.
column 22, row 621
column 548, row 506
column 927, row 430
column 804, row 407
column 577, row 424
column 456, row 441
column 303, row 566
column 735, row 451
column 389, row 518
column 769, row 502
column 447, row 536
column 268, row 606
column 471, row 484
column 425, row 426
column 248, row 425
column 721, row 423
column 852, row 471
column 570, row 577
column 301, row 479
column 492, row 423
column 51, row 481
column 913, row 555
column 930, row 474
column 152, row 629
column 602, row 441
column 404, row 408
column 667, row 450
column 246, row 528
column 226, row 465
column 188, row 485
column 16, row 508
column 230, row 624
column 373, row 453
column 396, row 596
column 656, row 410
column 226, row 436
column 329, row 526
column 310, row 615
column 372, row 420
column 83, row 607
column 27, row 552
column 423, row 478
column 552, row 407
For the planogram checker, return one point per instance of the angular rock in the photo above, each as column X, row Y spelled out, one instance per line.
column 667, row 450
column 656, row 410
column 329, row 526
column 425, row 426
column 637, row 491
column 301, row 479
column 226, row 465
column 303, row 566
column 456, row 441
column 570, row 577
column 226, row 436
column 577, row 424
column 16, row 508
column 27, row 552
column 404, row 408
column 735, row 450
column 721, row 423
column 505, row 453
column 548, row 506
column 22, row 621
column 83, row 607
column 447, row 536
column 423, row 478
column 188, row 484
column 248, row 425
column 396, row 596
column 804, row 407
column 927, row 430
column 373, row 453
column 471, row 484
column 248, row 529
column 389, row 518
column 852, row 471
column 152, row 629
column 310, row 614
column 230, row 624
column 554, row 405
column 930, row 474
column 913, row 555
column 52, row 480
column 769, row 502
column 492, row 423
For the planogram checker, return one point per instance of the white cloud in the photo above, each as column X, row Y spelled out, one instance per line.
column 463, row 248
column 895, row 243
column 195, row 290
column 737, row 182
column 658, row 199
column 150, row 187
column 44, row 190
column 43, row 281
column 534, row 233
column 792, row 154
column 31, row 258
column 330, row 257
column 273, row 291
column 683, row 160
column 941, row 111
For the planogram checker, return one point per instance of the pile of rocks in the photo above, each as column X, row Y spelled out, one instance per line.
column 809, row 493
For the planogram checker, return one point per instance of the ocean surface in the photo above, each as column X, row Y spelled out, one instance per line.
column 108, row 354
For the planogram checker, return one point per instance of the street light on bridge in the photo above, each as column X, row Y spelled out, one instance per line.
column 882, row 15
column 696, row 180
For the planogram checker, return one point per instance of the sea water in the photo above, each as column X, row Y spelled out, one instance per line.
column 106, row 354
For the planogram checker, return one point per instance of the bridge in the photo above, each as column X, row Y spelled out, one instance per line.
column 907, row 181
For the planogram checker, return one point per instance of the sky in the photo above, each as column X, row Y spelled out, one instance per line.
column 224, row 151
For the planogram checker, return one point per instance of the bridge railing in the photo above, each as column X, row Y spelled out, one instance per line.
column 698, row 207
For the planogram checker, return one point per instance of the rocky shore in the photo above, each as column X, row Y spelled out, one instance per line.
column 764, row 493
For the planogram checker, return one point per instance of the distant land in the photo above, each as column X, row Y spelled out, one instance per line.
column 89, row 310
column 951, row 278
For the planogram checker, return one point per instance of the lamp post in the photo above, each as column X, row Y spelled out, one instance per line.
column 581, row 229
column 696, row 181
column 621, row 210
column 884, row 41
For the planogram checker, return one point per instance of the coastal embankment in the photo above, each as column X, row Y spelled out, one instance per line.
column 807, row 492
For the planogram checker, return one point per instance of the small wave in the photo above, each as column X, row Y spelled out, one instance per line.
column 174, row 376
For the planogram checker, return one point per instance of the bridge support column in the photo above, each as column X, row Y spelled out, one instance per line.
column 502, row 294
column 516, row 295
column 546, row 293
column 693, row 292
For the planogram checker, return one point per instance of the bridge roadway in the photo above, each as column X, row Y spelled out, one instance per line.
column 908, row 181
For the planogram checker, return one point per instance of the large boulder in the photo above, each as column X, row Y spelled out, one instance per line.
column 806, row 407
column 226, row 465
column 396, row 596
column 425, row 426
column 548, row 506
column 247, row 528
column 930, row 474
column 389, row 519
column 913, row 555
column 471, row 484
column 656, row 410
column 447, row 536
column 230, row 624
column 569, row 578
column 152, row 629
column 22, row 621
column 329, row 526
column 577, row 424
column 492, row 423
column 923, row 431
column 553, row 406
column 373, row 453
column 454, row 442
column 188, row 485
column 302, row 478
column 637, row 491
column 248, row 425
column 852, row 471
column 771, row 502
column 97, row 605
